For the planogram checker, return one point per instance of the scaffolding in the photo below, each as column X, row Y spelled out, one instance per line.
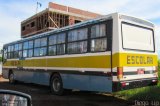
column 55, row 16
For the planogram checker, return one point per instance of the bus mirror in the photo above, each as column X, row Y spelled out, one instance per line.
column 14, row 98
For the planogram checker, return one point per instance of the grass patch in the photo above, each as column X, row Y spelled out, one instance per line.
column 145, row 93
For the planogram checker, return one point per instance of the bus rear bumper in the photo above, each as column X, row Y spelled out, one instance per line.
column 130, row 84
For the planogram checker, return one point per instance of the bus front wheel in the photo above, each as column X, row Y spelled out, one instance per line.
column 11, row 78
column 56, row 85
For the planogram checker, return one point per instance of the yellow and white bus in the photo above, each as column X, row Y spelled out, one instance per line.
column 107, row 54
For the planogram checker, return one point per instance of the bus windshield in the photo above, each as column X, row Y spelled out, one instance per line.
column 137, row 38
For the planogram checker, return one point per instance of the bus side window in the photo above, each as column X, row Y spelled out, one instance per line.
column 25, row 54
column 61, row 43
column 37, row 43
column 61, row 49
column 36, row 52
column 52, row 45
column 4, row 54
column 10, row 52
column 52, row 50
column 98, row 38
column 40, row 47
column 25, row 47
column 77, row 41
column 30, row 48
column 16, row 51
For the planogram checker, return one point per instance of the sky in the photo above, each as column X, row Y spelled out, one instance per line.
column 12, row 12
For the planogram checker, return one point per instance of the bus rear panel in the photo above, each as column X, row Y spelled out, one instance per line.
column 135, row 64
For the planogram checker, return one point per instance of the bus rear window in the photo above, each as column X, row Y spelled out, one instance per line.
column 137, row 37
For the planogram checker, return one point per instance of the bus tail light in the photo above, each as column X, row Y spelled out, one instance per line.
column 119, row 72
column 124, row 84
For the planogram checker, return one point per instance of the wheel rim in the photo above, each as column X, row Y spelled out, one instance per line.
column 56, row 84
column 11, row 78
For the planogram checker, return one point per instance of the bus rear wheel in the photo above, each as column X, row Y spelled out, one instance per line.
column 56, row 85
column 11, row 78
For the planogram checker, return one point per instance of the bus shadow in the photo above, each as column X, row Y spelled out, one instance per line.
column 42, row 95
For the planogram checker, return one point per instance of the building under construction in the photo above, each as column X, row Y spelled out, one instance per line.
column 53, row 17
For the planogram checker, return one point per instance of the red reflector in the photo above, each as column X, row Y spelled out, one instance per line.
column 123, row 84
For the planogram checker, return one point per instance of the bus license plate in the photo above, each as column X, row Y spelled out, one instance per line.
column 140, row 71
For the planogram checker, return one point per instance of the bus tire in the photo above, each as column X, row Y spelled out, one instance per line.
column 56, row 85
column 11, row 78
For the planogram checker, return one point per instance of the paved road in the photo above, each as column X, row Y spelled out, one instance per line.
column 41, row 96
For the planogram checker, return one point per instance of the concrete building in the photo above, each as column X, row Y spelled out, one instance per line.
column 55, row 16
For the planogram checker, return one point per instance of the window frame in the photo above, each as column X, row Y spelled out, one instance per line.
column 39, row 47
column 11, row 53
column 56, row 44
column 82, row 40
column 28, row 48
column 100, row 37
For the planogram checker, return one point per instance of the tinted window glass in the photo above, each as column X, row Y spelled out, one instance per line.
column 52, row 50
column 9, row 48
column 37, row 43
column 25, row 53
column 72, row 35
column 11, row 55
column 61, row 38
column 52, row 40
column 99, row 44
column 16, row 54
column 8, row 55
column 16, row 48
column 30, row 44
column 12, row 48
column 82, row 34
column 43, row 41
column 20, row 54
column 98, row 30
column 25, row 45
column 61, row 49
column 79, row 34
column 30, row 53
column 20, row 46
column 77, row 47
column 36, row 51
column 43, row 51
column 5, row 53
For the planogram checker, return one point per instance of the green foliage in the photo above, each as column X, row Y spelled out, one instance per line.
column 159, row 68
column 145, row 93
column 0, row 59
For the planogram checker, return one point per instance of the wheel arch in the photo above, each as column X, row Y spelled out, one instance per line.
column 9, row 72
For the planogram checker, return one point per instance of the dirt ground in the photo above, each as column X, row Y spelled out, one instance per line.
column 41, row 96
